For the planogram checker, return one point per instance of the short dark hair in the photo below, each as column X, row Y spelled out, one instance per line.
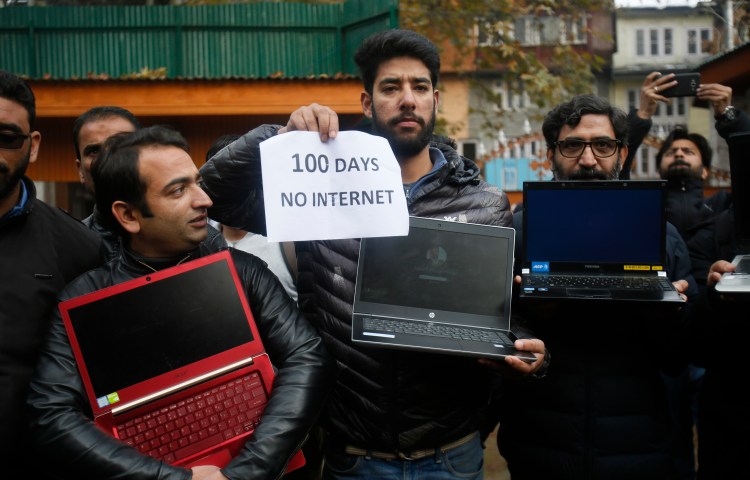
column 12, row 87
column 383, row 46
column 220, row 143
column 681, row 133
column 100, row 113
column 115, row 170
column 570, row 113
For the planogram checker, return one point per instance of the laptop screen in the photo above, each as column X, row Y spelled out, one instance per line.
column 143, row 332
column 437, row 269
column 575, row 223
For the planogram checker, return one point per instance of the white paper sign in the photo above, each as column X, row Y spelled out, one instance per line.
column 348, row 187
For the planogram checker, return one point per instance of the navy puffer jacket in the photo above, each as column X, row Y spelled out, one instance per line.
column 384, row 399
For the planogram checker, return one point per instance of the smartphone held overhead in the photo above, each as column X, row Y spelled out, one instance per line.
column 687, row 85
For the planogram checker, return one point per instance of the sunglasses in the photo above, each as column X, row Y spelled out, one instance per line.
column 12, row 141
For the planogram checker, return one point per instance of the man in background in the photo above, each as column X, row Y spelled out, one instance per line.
column 41, row 249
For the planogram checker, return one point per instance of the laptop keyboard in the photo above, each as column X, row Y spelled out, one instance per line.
column 191, row 425
column 389, row 325
column 611, row 282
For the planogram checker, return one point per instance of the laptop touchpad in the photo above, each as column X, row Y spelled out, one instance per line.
column 589, row 292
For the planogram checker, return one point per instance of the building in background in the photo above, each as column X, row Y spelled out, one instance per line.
column 207, row 70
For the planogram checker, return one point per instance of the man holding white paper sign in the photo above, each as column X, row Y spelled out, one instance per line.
column 391, row 411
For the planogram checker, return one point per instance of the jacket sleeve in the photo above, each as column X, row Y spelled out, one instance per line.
column 305, row 374
column 739, row 124
column 233, row 180
column 638, row 129
column 61, row 429
column 679, row 266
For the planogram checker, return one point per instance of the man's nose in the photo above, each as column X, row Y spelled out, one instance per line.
column 408, row 100
column 201, row 199
column 587, row 158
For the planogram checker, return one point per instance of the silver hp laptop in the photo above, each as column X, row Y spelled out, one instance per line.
column 739, row 166
column 445, row 288
column 595, row 240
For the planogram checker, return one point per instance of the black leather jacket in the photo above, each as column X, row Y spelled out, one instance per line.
column 385, row 399
column 73, row 447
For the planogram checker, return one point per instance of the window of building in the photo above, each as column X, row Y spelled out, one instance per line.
column 667, row 41
column 632, row 99
column 653, row 36
column 681, row 106
column 643, row 153
column 469, row 149
column 640, row 42
column 699, row 40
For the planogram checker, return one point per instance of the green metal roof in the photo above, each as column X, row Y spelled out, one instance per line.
column 258, row 40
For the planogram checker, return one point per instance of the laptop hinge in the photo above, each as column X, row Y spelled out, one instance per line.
column 181, row 386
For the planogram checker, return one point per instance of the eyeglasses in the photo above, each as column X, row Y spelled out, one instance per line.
column 602, row 148
column 12, row 141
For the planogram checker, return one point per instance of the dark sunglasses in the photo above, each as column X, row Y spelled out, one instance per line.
column 12, row 141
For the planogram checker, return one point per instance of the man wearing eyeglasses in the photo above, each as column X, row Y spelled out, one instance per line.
column 600, row 413
column 41, row 250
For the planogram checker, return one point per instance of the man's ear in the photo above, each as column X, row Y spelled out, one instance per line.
column 79, row 170
column 366, row 100
column 126, row 215
column 704, row 173
column 623, row 154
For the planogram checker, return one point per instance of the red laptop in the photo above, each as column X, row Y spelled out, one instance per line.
column 172, row 362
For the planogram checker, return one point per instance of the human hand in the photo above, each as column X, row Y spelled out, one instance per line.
column 681, row 286
column 533, row 345
column 207, row 472
column 650, row 98
column 719, row 95
column 718, row 268
column 313, row 118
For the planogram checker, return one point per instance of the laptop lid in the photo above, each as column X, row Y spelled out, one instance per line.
column 450, row 272
column 595, row 227
column 161, row 332
column 596, row 240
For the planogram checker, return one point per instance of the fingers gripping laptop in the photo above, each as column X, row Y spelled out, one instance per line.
column 445, row 287
column 178, row 388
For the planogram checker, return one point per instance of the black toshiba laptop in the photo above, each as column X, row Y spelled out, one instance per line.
column 603, row 240
column 739, row 166
column 445, row 288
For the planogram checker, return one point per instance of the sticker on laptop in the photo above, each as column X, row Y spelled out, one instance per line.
column 106, row 400
column 539, row 267
column 643, row 267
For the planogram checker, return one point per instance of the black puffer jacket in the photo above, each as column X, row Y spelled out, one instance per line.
column 688, row 210
column 74, row 448
column 385, row 399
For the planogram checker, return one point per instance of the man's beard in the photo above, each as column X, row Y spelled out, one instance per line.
column 9, row 179
column 586, row 173
column 680, row 169
column 404, row 147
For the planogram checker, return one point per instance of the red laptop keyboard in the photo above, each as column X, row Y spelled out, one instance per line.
column 191, row 425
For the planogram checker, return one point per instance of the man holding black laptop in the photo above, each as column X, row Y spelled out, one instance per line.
column 148, row 190
column 600, row 413
column 392, row 411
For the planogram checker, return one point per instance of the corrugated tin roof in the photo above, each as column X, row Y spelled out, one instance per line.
column 253, row 41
